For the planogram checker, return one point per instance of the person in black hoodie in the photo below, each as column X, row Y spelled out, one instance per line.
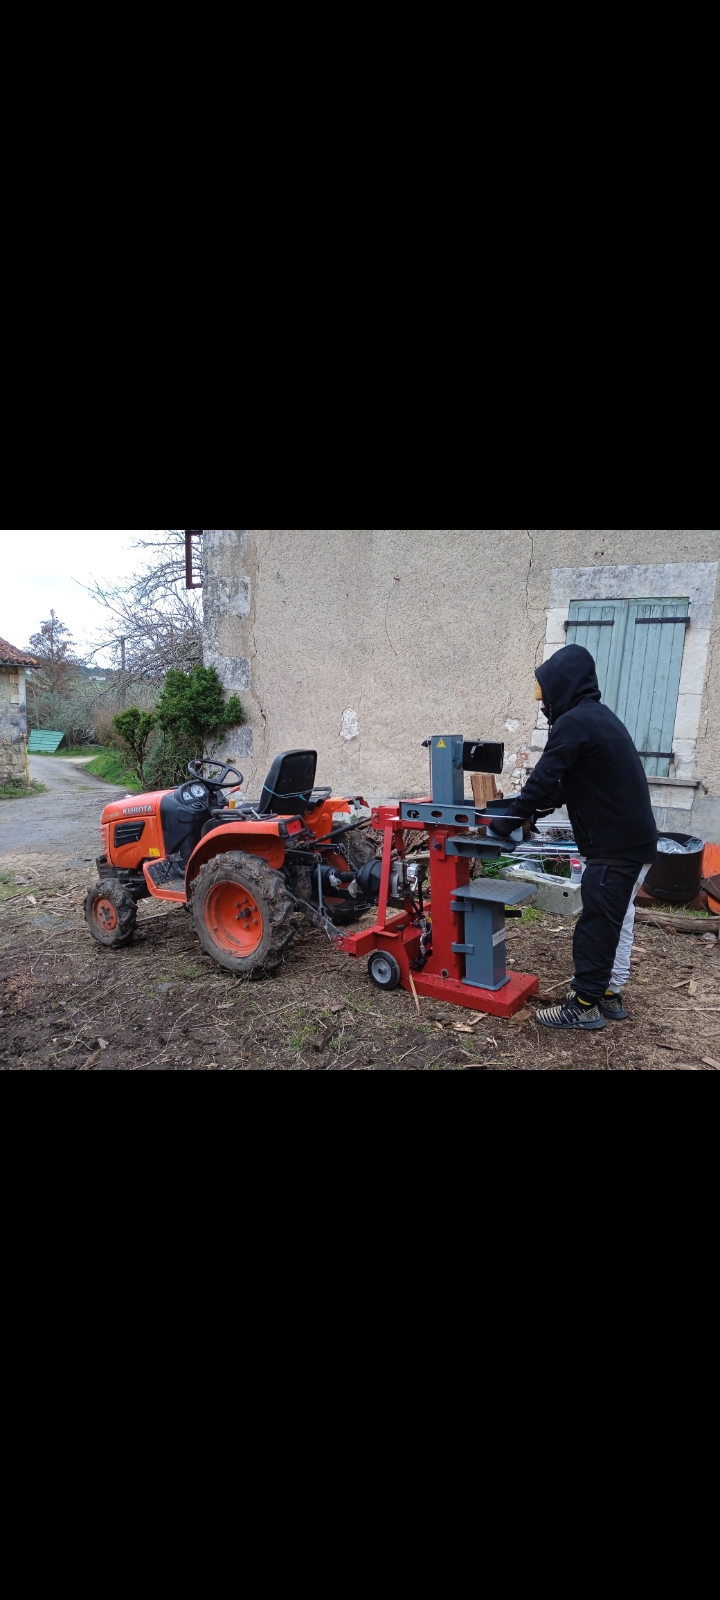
column 590, row 764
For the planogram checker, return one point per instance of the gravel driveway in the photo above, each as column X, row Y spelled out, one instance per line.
column 66, row 819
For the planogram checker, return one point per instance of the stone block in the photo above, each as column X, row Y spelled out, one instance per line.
column 687, row 720
column 663, row 795
column 556, row 619
column 685, row 752
column 557, row 895
column 692, row 678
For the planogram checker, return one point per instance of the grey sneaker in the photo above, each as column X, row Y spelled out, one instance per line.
column 571, row 1014
column 611, row 1006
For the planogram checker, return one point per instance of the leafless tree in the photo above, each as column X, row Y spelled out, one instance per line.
column 153, row 622
column 54, row 681
column 56, row 652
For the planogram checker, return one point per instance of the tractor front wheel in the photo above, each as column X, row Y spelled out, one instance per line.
column 110, row 913
column 243, row 913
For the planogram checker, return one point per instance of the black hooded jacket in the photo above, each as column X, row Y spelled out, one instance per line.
column 591, row 765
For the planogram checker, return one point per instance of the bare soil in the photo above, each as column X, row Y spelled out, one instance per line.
column 68, row 1005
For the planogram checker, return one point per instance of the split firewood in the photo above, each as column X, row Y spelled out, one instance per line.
column 484, row 789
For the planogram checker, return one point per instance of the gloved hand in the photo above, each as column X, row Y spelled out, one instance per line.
column 502, row 827
column 546, row 813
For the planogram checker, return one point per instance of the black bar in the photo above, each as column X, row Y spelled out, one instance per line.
column 582, row 622
column 647, row 620
column 190, row 534
column 657, row 755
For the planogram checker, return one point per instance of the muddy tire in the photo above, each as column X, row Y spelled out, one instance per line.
column 110, row 913
column 243, row 913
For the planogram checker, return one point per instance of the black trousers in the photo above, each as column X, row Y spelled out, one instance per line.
column 606, row 895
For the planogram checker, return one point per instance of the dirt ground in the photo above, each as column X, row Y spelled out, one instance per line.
column 66, row 1004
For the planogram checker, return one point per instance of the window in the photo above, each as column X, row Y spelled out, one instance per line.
column 638, row 649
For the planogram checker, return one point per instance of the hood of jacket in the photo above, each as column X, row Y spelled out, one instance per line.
column 566, row 679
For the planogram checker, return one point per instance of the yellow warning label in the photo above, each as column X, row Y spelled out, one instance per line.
column 153, row 852
column 441, row 745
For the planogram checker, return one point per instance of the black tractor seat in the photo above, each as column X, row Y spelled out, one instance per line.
column 288, row 791
column 289, row 785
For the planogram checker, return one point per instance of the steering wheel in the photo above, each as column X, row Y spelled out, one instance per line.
column 214, row 783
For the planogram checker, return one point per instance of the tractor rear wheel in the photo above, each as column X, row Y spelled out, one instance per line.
column 110, row 913
column 243, row 913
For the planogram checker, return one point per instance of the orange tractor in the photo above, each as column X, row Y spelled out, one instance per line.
column 246, row 872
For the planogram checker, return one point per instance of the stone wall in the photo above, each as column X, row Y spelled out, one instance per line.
column 362, row 643
column 13, row 727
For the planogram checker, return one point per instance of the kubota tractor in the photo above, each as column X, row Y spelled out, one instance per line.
column 246, row 872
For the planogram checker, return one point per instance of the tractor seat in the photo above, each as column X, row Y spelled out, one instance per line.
column 288, row 787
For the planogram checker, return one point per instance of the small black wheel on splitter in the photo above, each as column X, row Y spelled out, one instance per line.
column 384, row 970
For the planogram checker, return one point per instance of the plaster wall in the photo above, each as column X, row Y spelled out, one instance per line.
column 13, row 724
column 362, row 643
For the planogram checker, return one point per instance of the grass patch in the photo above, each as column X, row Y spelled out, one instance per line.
column 532, row 915
column 112, row 767
column 21, row 791
column 66, row 753
column 492, row 869
column 298, row 1041
column 7, row 885
column 682, row 911
column 555, row 868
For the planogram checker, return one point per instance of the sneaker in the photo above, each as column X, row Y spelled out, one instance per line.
column 611, row 1005
column 572, row 1014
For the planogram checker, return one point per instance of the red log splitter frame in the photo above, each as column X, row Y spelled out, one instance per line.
column 454, row 942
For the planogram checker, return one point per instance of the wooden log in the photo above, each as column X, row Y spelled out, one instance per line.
column 484, row 789
column 663, row 919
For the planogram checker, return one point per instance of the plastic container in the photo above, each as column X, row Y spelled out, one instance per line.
column 576, row 870
column 676, row 878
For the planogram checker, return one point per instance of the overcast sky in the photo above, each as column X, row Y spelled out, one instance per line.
column 45, row 569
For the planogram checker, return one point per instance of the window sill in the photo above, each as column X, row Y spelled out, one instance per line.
column 677, row 783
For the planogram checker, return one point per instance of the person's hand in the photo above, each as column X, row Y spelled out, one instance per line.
column 504, row 826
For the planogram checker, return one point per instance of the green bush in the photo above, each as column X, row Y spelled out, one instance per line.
column 134, row 728
column 193, row 718
column 189, row 721
column 192, row 706
column 167, row 763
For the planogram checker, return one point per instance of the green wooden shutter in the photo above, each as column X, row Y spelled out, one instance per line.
column 639, row 660
column 600, row 626
column 650, row 679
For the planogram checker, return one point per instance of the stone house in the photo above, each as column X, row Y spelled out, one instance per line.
column 362, row 643
column 13, row 723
